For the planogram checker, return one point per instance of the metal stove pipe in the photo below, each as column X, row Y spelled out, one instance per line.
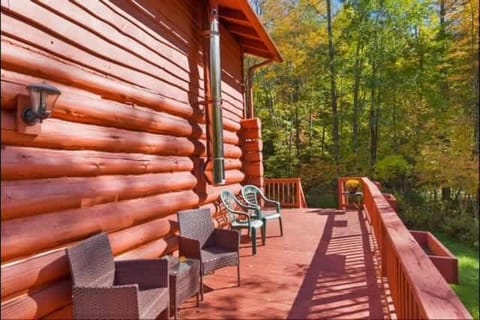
column 215, row 108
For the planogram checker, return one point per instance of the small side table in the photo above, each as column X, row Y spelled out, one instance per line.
column 184, row 281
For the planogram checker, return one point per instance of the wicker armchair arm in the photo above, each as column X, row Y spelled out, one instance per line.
column 115, row 302
column 189, row 248
column 148, row 273
column 227, row 239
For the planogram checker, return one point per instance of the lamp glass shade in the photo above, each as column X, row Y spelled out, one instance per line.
column 42, row 99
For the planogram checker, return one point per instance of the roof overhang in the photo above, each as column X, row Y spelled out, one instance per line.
column 239, row 19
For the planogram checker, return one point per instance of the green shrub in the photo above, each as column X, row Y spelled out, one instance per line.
column 438, row 216
column 393, row 171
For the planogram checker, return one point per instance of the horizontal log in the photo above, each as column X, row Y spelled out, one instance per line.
column 234, row 107
column 156, row 41
column 245, row 134
column 129, row 238
column 28, row 197
column 253, row 169
column 153, row 249
column 252, row 157
column 231, row 176
column 59, row 134
column 134, row 64
column 252, row 146
column 19, row 59
column 76, row 107
column 61, row 314
column 81, row 106
column 25, row 236
column 129, row 37
column 14, row 83
column 213, row 192
column 227, row 114
column 234, row 176
column 185, row 30
column 252, row 123
column 42, row 269
column 39, row 303
column 67, row 135
column 33, row 272
column 219, row 215
column 257, row 181
column 58, row 295
column 33, row 163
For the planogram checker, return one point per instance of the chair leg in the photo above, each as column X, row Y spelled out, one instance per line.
column 281, row 226
column 264, row 232
column 165, row 314
column 254, row 241
column 238, row 273
column 201, row 287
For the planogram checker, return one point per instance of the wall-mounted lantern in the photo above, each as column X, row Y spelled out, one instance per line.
column 42, row 99
column 33, row 109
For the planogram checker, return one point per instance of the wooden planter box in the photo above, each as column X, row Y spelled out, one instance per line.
column 442, row 258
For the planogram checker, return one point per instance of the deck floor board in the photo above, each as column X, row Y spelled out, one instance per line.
column 323, row 267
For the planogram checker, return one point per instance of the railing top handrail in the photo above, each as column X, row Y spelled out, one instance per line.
column 279, row 180
column 431, row 290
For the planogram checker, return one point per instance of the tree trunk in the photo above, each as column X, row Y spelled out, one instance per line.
column 297, row 132
column 356, row 107
column 475, row 81
column 323, row 140
column 373, row 119
column 333, row 88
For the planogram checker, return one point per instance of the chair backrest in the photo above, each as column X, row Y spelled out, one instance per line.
column 251, row 194
column 229, row 201
column 196, row 224
column 91, row 262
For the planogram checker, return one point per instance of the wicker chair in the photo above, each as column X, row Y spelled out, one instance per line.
column 254, row 196
column 108, row 289
column 199, row 239
column 244, row 216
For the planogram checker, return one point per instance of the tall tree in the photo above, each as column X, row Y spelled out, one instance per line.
column 333, row 86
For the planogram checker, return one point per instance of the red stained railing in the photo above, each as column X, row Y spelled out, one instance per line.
column 288, row 191
column 418, row 290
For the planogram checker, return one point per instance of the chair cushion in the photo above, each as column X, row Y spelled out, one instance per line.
column 152, row 302
column 214, row 258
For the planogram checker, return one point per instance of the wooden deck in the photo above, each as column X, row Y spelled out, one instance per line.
column 323, row 267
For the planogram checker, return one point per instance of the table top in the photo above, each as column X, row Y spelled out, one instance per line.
column 179, row 265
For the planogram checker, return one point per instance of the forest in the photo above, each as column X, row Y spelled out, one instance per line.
column 381, row 88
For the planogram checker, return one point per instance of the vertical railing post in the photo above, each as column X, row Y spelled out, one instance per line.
column 288, row 191
column 297, row 200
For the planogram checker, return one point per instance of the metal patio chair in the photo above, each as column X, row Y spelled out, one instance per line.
column 244, row 216
column 108, row 289
column 254, row 196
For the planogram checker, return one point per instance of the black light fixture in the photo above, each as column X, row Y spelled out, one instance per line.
column 42, row 99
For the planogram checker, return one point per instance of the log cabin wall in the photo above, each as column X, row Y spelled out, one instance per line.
column 123, row 150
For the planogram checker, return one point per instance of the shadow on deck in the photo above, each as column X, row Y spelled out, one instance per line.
column 323, row 267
